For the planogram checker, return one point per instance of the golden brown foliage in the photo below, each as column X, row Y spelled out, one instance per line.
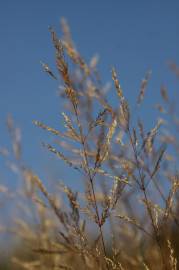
column 130, row 191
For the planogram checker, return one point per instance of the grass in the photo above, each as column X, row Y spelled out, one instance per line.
column 129, row 197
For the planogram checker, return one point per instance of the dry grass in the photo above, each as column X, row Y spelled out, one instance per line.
column 130, row 177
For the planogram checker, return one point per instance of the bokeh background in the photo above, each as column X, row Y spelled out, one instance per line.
column 134, row 36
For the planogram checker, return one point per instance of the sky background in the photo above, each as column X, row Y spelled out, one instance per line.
column 133, row 36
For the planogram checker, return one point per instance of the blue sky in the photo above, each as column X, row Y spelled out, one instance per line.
column 133, row 36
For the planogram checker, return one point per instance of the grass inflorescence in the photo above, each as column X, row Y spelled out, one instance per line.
column 130, row 179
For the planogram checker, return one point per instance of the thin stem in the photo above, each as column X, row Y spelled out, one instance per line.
column 91, row 178
column 143, row 188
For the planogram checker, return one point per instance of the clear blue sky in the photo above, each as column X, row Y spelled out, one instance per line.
column 134, row 36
